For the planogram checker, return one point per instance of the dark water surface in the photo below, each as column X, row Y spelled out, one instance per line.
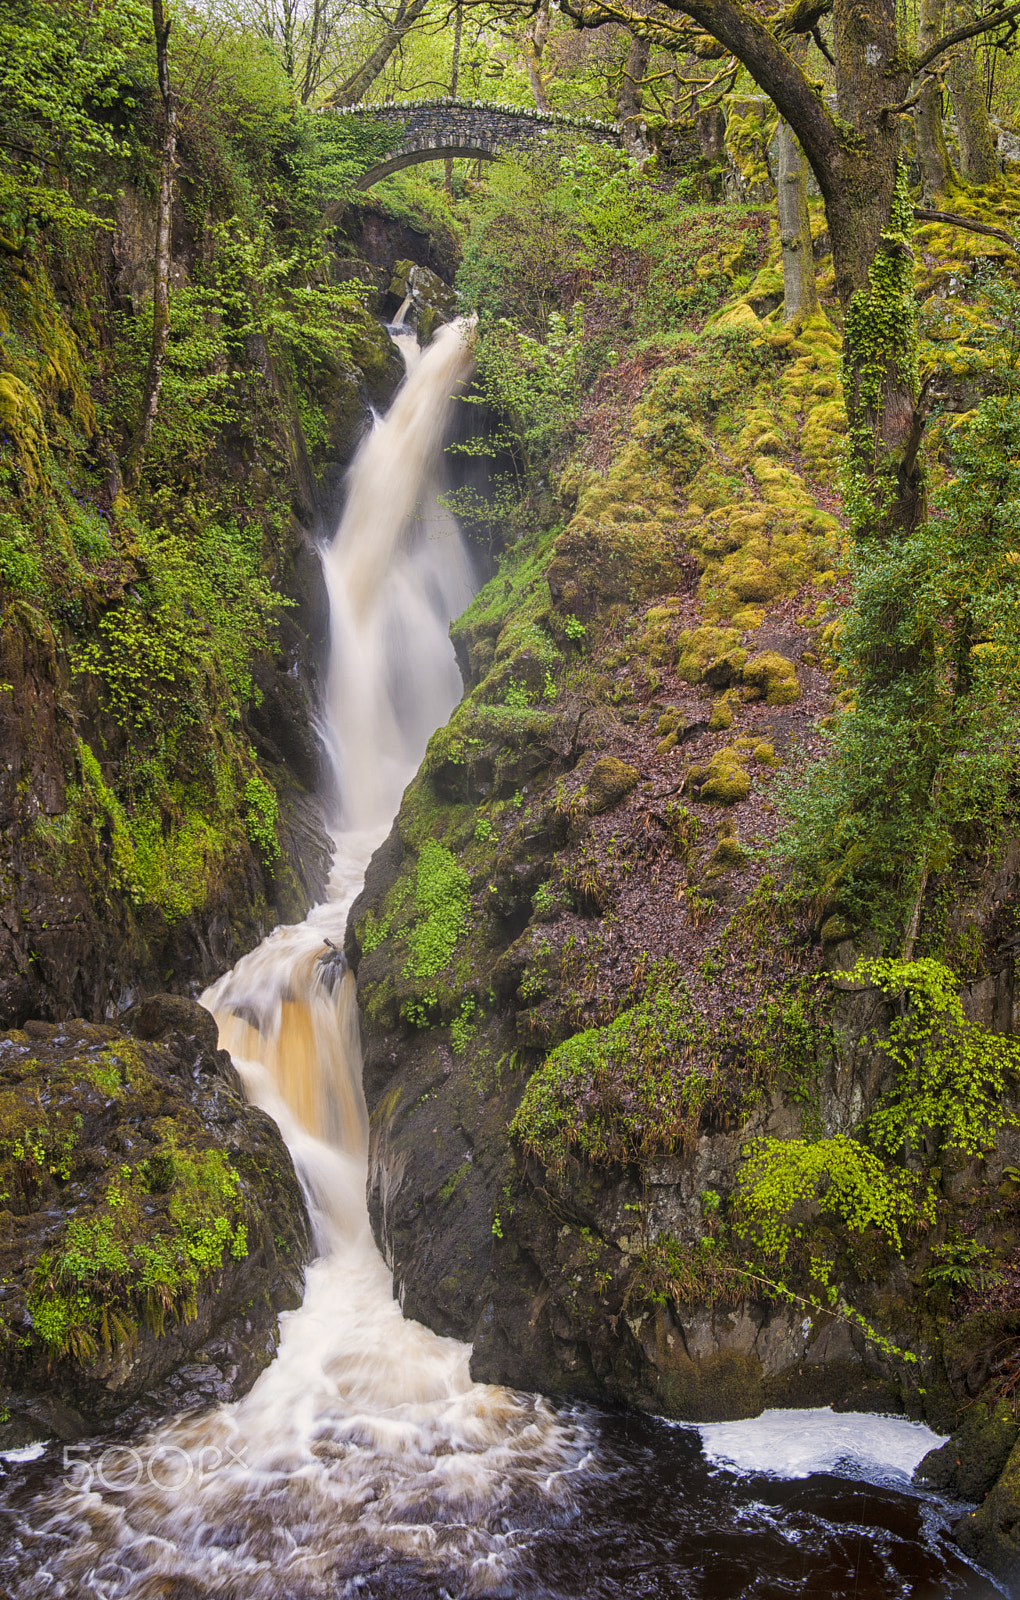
column 658, row 1520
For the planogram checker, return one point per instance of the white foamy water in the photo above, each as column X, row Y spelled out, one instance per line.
column 365, row 1441
column 793, row 1444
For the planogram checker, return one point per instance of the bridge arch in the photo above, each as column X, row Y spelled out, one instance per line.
column 434, row 130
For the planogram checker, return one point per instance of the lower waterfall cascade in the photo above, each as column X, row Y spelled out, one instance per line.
column 365, row 1461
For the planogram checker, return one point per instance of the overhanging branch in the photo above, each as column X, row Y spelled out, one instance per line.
column 922, row 214
column 991, row 19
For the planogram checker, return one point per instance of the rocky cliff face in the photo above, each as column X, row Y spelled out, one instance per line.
column 578, row 1265
column 160, row 778
column 152, row 1227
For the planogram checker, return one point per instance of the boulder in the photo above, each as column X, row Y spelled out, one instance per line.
column 970, row 1461
column 152, row 1228
column 431, row 301
column 609, row 782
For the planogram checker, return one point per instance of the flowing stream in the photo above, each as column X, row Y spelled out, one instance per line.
column 365, row 1461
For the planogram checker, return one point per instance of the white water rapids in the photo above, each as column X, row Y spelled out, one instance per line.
column 365, row 1441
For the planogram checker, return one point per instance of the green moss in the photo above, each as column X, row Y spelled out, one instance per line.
column 454, row 1182
column 441, row 901
column 262, row 814
column 131, row 1261
column 723, row 780
column 726, row 855
column 670, row 728
column 611, row 1091
column 765, row 755
column 700, row 647
column 21, row 420
column 773, row 678
column 722, row 715
column 750, row 127
column 754, row 580
column 609, row 782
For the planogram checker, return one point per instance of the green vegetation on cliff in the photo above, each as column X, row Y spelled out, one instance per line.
column 681, row 1105
column 142, row 609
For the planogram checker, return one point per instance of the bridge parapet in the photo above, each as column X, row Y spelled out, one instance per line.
column 435, row 129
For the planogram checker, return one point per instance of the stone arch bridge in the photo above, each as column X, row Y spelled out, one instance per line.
column 432, row 130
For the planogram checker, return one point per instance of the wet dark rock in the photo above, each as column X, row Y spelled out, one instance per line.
column 970, row 1461
column 991, row 1534
column 430, row 302
column 380, row 240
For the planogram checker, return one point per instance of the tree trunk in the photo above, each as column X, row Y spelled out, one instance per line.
column 630, row 98
column 458, row 18
column 800, row 296
column 360, row 81
column 937, row 175
column 977, row 147
column 161, row 273
column 870, row 228
column 534, row 43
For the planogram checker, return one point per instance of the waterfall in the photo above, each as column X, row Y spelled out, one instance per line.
column 365, row 1442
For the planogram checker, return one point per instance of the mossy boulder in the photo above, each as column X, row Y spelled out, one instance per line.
column 753, row 581
column 991, row 1534
column 724, row 670
column 740, row 315
column 834, row 930
column 771, row 677
column 670, row 728
column 727, row 854
column 609, row 782
column 619, row 547
column 700, row 648
column 432, row 302
column 765, row 755
column 968, row 1464
column 722, row 715
column 150, row 1213
column 721, row 781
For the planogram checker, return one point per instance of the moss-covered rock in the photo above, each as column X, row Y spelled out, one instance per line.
column 722, row 715
column 728, row 853
column 765, row 755
column 609, row 782
column 723, row 780
column 754, row 580
column 701, row 648
column 991, row 1534
column 970, row 1461
column 670, row 727
column 771, row 677
column 431, row 301
column 130, row 1238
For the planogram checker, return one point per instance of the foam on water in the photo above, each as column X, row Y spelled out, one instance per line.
column 794, row 1444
